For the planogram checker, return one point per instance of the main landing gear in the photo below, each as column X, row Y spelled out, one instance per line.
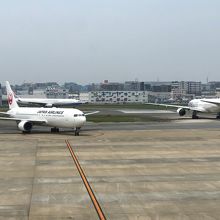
column 218, row 115
column 194, row 115
column 26, row 132
column 54, row 130
column 77, row 131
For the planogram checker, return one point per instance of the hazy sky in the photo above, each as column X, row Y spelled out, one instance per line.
column 92, row 40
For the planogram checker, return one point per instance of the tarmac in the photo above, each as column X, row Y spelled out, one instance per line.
column 141, row 171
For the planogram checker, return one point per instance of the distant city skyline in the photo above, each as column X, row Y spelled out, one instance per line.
column 90, row 41
column 103, row 81
column 109, row 82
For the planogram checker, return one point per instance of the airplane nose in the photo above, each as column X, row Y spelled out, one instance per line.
column 80, row 120
column 83, row 120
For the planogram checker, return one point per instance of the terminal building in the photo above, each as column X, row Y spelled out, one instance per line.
column 114, row 92
column 118, row 97
column 141, row 92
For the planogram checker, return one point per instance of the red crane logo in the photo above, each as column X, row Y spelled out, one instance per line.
column 10, row 99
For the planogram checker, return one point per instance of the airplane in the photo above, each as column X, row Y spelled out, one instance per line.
column 27, row 117
column 196, row 105
column 48, row 102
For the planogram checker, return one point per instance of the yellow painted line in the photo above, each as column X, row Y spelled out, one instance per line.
column 86, row 183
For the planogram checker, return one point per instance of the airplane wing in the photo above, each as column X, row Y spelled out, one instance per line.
column 4, row 114
column 91, row 113
column 172, row 106
column 38, row 121
column 180, row 106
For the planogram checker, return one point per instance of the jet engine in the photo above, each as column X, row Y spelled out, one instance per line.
column 25, row 126
column 181, row 111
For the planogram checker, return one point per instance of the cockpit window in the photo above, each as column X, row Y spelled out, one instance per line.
column 76, row 115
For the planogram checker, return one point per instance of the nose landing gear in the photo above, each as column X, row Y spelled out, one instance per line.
column 194, row 115
column 54, row 130
column 77, row 131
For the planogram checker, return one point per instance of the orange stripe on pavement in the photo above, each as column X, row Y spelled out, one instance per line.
column 86, row 183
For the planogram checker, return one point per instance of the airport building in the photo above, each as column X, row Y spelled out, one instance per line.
column 84, row 97
column 118, row 97
column 157, row 86
column 115, row 92
column 211, row 86
column 140, row 92
column 193, row 87
column 185, row 89
column 159, row 97
column 132, row 86
column 56, row 92
column 217, row 92
column 111, row 86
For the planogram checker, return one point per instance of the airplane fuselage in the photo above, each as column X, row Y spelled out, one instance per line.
column 205, row 105
column 48, row 102
column 54, row 117
column 27, row 117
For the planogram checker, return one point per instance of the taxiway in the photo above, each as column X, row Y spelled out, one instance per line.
column 136, row 170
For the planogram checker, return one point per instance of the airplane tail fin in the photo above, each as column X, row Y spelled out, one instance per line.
column 10, row 96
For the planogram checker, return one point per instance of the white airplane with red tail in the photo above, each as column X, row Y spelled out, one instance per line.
column 27, row 117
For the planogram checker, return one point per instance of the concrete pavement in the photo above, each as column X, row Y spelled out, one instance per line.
column 135, row 174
